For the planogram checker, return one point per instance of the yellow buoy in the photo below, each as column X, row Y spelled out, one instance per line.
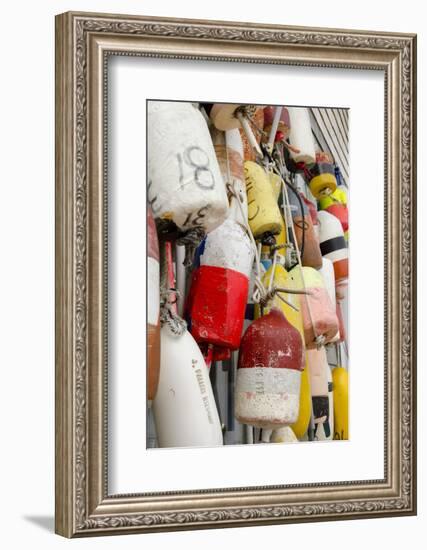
column 301, row 425
column 340, row 383
column 263, row 211
column 283, row 279
column 322, row 185
column 338, row 196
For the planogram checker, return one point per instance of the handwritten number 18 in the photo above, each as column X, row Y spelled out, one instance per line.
column 198, row 160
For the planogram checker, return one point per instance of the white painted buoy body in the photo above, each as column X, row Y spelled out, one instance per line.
column 185, row 185
column 321, row 434
column 184, row 408
column 319, row 374
column 301, row 136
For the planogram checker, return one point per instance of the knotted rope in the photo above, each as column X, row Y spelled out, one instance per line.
column 191, row 240
column 167, row 314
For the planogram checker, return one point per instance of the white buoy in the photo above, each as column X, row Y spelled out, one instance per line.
column 301, row 136
column 185, row 185
column 184, row 408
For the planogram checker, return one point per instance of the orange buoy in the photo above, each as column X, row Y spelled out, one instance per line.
column 153, row 307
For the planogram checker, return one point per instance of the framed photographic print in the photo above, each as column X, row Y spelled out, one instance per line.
column 235, row 274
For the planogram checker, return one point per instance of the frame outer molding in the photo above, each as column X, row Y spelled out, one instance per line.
column 83, row 506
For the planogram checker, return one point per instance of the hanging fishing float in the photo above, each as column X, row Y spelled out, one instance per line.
column 318, row 312
column 340, row 381
column 184, row 408
column 264, row 216
column 218, row 294
column 269, row 373
column 311, row 255
column 153, row 309
column 301, row 137
column 185, row 189
column 283, row 126
column 318, row 372
column 333, row 245
column 321, row 176
column 336, row 204
column 228, row 116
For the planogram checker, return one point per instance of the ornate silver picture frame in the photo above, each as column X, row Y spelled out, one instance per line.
column 84, row 43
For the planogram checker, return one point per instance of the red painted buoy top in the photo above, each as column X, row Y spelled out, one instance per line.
column 271, row 342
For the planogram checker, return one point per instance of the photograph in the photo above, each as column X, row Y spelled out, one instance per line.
column 235, row 273
column 247, row 274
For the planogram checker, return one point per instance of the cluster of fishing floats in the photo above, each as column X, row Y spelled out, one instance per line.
column 239, row 258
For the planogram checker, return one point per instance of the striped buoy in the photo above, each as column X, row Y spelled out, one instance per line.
column 318, row 312
column 216, row 302
column 185, row 186
column 333, row 244
column 153, row 307
column 264, row 215
column 269, row 373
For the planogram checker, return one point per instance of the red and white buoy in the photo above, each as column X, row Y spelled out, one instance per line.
column 216, row 303
column 269, row 372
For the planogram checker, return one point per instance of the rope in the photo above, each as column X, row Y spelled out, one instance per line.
column 318, row 338
column 167, row 314
column 191, row 240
